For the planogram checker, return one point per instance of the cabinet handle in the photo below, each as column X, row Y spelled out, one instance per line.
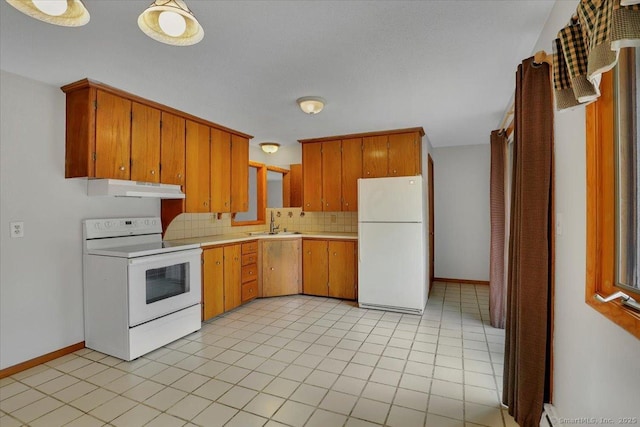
column 309, row 252
column 327, row 204
column 217, row 262
column 180, row 175
column 250, row 272
column 346, row 204
column 205, row 203
column 308, row 204
column 335, row 254
column 368, row 173
column 121, row 168
column 272, row 268
column 394, row 171
column 226, row 203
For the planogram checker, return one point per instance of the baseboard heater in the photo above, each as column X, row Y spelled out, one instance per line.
column 549, row 417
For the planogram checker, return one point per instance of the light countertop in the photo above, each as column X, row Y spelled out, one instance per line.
column 243, row 237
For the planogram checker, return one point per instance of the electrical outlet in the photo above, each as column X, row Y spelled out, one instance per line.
column 334, row 218
column 17, row 229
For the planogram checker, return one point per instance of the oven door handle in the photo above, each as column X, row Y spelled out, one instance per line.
column 170, row 256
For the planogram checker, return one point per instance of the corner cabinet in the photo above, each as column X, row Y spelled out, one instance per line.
column 331, row 166
column 281, row 267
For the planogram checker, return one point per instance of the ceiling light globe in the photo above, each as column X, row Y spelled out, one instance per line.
column 311, row 104
column 172, row 24
column 51, row 7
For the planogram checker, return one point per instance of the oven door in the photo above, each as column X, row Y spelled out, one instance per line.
column 163, row 284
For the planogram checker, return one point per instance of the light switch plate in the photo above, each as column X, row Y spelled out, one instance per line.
column 17, row 229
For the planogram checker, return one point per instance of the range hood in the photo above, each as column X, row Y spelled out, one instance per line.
column 122, row 188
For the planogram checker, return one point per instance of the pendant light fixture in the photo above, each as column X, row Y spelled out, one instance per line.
column 171, row 22
column 269, row 147
column 66, row 13
column 311, row 104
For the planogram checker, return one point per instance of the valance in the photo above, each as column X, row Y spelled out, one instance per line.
column 588, row 46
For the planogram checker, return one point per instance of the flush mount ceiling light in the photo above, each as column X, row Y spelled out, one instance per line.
column 269, row 147
column 67, row 13
column 171, row 22
column 311, row 104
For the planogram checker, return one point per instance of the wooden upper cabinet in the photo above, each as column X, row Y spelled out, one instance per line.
column 331, row 176
column 113, row 136
column 220, row 171
column 212, row 282
column 145, row 143
column 351, row 171
column 312, row 177
column 315, row 274
column 172, row 149
column 197, row 155
column 342, row 269
column 111, row 133
column 375, row 159
column 404, row 154
column 239, row 173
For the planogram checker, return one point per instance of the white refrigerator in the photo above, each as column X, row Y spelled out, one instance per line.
column 392, row 251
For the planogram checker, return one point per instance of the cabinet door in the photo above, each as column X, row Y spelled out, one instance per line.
column 314, row 267
column 312, row 177
column 232, row 283
column 220, row 171
column 342, row 269
column 331, row 176
column 374, row 156
column 280, row 267
column 351, row 171
column 113, row 136
column 197, row 185
column 145, row 143
column 212, row 282
column 404, row 154
column 172, row 149
column 239, row 174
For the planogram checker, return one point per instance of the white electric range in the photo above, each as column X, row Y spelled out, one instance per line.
column 140, row 292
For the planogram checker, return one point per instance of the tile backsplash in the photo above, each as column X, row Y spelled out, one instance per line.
column 292, row 219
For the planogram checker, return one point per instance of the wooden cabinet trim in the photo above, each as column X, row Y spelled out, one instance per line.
column 363, row 135
column 88, row 83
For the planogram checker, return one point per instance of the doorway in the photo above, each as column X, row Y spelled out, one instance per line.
column 431, row 224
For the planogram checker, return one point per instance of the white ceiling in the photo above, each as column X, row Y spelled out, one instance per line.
column 447, row 66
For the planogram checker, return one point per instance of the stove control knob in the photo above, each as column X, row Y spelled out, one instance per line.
column 97, row 226
column 146, row 222
column 108, row 224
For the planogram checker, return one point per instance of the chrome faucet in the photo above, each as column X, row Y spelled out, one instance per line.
column 272, row 225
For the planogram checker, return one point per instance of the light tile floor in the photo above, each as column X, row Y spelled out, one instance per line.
column 287, row 361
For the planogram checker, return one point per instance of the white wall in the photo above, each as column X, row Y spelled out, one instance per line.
column 41, row 274
column 462, row 225
column 595, row 362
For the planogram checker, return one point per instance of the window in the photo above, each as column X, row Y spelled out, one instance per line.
column 612, row 193
column 257, row 197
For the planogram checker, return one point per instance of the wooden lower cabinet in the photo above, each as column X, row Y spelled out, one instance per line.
column 221, row 286
column 342, row 269
column 249, row 274
column 281, row 267
column 212, row 282
column 329, row 268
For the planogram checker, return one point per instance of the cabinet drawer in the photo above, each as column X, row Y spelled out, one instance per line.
column 250, row 247
column 249, row 273
column 249, row 259
column 249, row 290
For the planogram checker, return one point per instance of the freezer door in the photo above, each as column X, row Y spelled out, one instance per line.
column 397, row 199
column 391, row 265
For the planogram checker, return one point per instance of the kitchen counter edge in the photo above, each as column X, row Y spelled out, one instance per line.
column 221, row 239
